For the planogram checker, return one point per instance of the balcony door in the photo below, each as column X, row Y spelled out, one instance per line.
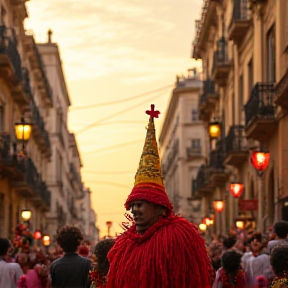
column 271, row 55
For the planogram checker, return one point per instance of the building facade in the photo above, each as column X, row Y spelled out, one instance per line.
column 183, row 148
column 243, row 48
column 47, row 178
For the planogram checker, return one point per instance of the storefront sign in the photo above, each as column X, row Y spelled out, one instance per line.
column 248, row 205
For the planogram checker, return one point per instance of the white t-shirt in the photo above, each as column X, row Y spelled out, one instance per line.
column 9, row 274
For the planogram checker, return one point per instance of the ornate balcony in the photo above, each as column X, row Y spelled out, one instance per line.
column 29, row 183
column 240, row 23
column 236, row 146
column 259, row 112
column 39, row 132
column 39, row 71
column 207, row 100
column 221, row 65
column 193, row 153
column 202, row 182
column 11, row 66
column 218, row 176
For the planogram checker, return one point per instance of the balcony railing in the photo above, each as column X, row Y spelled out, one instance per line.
column 216, row 160
column 8, row 46
column 240, row 11
column 209, row 87
column 47, row 86
column 39, row 123
column 261, row 102
column 202, row 180
column 193, row 152
column 236, row 140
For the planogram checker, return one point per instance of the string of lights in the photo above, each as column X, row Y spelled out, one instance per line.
column 89, row 126
column 113, row 147
column 121, row 100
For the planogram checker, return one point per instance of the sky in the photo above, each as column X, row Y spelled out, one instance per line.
column 113, row 51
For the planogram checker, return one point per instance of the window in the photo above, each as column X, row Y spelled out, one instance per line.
column 2, row 118
column 271, row 55
column 195, row 115
column 194, row 186
column 59, row 168
column 195, row 143
column 250, row 76
column 240, row 99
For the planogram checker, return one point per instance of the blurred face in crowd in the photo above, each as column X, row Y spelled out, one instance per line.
column 146, row 214
column 255, row 245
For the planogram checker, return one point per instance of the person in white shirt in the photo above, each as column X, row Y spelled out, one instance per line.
column 9, row 272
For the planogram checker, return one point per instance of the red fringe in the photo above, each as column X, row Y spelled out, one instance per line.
column 171, row 254
column 150, row 192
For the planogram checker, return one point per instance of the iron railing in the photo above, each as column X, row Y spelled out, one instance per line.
column 236, row 140
column 220, row 56
column 261, row 102
column 193, row 151
column 208, row 86
column 202, row 178
column 41, row 67
column 8, row 46
column 240, row 11
column 38, row 120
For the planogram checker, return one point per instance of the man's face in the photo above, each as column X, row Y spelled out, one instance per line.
column 145, row 214
column 255, row 245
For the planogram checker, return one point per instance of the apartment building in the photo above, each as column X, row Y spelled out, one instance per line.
column 46, row 179
column 243, row 48
column 183, row 148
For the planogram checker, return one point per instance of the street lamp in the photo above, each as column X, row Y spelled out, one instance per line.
column 218, row 205
column 202, row 227
column 214, row 129
column 37, row 235
column 206, row 221
column 26, row 215
column 46, row 240
column 236, row 189
column 240, row 224
column 260, row 161
column 23, row 131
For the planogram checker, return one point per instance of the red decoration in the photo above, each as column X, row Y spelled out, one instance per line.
column 236, row 189
column 218, row 205
column 260, row 160
column 206, row 221
column 152, row 112
column 248, row 205
column 37, row 235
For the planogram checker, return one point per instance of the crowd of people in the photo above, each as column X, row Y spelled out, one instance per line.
column 157, row 249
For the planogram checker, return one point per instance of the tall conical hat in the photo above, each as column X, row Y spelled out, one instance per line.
column 149, row 184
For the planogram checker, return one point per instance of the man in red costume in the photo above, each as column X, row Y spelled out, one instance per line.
column 160, row 250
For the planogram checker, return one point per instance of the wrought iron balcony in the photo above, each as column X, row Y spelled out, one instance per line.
column 193, row 153
column 260, row 112
column 39, row 130
column 202, row 182
column 236, row 146
column 240, row 22
column 221, row 64
column 9, row 53
column 218, row 175
column 207, row 100
column 44, row 86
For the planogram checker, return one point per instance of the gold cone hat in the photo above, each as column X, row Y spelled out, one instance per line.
column 149, row 184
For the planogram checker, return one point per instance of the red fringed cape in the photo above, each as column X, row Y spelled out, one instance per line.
column 170, row 254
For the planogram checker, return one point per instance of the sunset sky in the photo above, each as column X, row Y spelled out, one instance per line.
column 114, row 50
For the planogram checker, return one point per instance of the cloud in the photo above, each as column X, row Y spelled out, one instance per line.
column 99, row 38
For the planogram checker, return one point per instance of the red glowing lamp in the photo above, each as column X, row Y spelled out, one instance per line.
column 206, row 221
column 260, row 160
column 236, row 189
column 37, row 235
column 219, row 205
